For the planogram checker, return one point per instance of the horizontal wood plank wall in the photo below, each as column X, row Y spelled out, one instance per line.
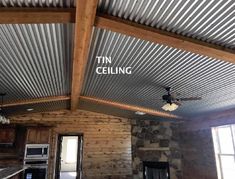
column 107, row 141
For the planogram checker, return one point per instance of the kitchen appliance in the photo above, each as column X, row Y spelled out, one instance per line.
column 36, row 151
column 36, row 169
column 35, row 173
column 36, row 161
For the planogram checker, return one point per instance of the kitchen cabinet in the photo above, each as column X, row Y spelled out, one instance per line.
column 12, row 144
column 7, row 136
column 38, row 135
column 17, row 176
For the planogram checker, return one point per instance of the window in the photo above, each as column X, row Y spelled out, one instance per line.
column 224, row 144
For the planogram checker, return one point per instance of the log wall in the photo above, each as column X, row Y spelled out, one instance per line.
column 107, row 141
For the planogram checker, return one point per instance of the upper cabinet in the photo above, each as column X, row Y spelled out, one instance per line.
column 7, row 136
column 12, row 144
column 38, row 135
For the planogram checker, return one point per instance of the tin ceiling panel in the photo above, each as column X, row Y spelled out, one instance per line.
column 35, row 60
column 211, row 21
column 37, row 3
column 154, row 67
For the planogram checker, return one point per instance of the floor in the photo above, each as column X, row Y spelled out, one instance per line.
column 68, row 175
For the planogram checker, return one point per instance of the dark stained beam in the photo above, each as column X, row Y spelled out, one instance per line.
column 36, row 15
column 162, row 37
column 129, row 107
column 85, row 17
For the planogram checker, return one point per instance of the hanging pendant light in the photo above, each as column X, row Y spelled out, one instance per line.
column 3, row 118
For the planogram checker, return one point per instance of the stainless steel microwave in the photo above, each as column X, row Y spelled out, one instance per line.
column 36, row 151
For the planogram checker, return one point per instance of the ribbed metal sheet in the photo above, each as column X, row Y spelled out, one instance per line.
column 211, row 21
column 155, row 66
column 38, row 3
column 35, row 60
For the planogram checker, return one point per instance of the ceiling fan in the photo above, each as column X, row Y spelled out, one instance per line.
column 172, row 101
column 3, row 118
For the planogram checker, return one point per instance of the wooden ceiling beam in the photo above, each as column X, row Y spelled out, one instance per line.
column 36, row 15
column 144, row 32
column 36, row 101
column 67, row 15
column 85, row 17
column 129, row 107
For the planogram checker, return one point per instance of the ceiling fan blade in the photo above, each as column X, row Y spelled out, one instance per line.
column 178, row 103
column 190, row 99
column 3, row 94
column 174, row 95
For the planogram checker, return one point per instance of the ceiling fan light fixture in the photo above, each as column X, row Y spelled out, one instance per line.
column 3, row 119
column 170, row 107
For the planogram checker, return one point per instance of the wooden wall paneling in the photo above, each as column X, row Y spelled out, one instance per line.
column 107, row 141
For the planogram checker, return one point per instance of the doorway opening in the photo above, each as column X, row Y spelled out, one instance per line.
column 69, row 156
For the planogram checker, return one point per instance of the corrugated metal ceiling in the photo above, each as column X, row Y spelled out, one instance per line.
column 212, row 21
column 37, row 3
column 35, row 60
column 154, row 66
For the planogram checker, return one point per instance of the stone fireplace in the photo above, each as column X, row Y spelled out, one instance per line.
column 156, row 170
column 155, row 142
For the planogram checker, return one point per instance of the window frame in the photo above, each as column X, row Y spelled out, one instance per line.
column 217, row 147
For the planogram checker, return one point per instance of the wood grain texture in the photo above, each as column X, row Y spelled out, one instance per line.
column 36, row 101
column 107, row 141
column 36, row 15
column 162, row 37
column 38, row 135
column 130, row 107
column 7, row 135
column 67, row 15
column 85, row 17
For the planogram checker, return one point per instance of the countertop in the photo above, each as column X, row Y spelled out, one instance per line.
column 8, row 172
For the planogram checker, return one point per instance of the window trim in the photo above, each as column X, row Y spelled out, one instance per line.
column 217, row 147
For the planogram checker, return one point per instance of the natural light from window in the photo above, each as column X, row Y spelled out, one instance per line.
column 224, row 144
column 71, row 151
